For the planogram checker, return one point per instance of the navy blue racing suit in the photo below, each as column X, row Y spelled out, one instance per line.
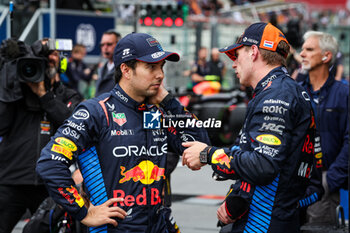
column 275, row 165
column 117, row 158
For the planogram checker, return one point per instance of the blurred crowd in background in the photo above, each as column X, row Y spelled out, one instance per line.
column 292, row 20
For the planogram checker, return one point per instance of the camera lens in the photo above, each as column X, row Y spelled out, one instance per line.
column 29, row 70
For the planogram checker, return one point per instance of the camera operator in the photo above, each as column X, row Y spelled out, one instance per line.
column 26, row 127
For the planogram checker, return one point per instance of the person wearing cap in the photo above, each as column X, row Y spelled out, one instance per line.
column 329, row 99
column 274, row 161
column 120, row 144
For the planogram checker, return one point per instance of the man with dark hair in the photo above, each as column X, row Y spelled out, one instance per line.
column 77, row 70
column 275, row 157
column 120, row 146
column 200, row 69
column 105, row 81
column 217, row 67
column 26, row 127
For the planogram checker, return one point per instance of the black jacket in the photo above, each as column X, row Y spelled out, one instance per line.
column 105, row 82
column 76, row 73
column 332, row 120
column 26, row 127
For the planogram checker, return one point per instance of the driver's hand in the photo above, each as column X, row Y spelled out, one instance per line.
column 162, row 93
column 104, row 214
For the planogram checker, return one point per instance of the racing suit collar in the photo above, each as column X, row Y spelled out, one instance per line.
column 265, row 82
column 122, row 97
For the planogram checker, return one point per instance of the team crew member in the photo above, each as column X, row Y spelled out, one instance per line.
column 105, row 81
column 275, row 157
column 26, row 127
column 200, row 69
column 330, row 102
column 129, row 158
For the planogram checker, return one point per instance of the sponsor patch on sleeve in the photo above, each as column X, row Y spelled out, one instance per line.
column 69, row 192
column 62, row 150
column 81, row 114
column 220, row 157
column 269, row 139
column 78, row 199
column 66, row 143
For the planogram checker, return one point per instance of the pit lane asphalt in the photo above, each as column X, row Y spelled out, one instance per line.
column 197, row 212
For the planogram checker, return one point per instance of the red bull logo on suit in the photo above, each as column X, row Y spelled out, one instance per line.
column 146, row 172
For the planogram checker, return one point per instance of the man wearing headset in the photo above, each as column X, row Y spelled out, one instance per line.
column 329, row 100
column 105, row 81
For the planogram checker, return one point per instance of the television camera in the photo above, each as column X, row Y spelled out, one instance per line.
column 21, row 63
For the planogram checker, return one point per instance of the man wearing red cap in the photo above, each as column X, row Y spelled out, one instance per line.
column 274, row 161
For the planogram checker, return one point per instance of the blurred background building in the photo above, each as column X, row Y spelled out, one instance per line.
column 180, row 25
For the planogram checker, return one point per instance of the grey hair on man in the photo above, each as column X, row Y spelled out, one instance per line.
column 327, row 42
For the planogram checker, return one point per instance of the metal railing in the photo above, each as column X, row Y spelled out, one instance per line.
column 36, row 17
column 5, row 15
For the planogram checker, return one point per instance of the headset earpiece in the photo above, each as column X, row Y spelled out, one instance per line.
column 324, row 58
column 63, row 65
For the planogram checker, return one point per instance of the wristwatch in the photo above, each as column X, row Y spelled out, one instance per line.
column 203, row 155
